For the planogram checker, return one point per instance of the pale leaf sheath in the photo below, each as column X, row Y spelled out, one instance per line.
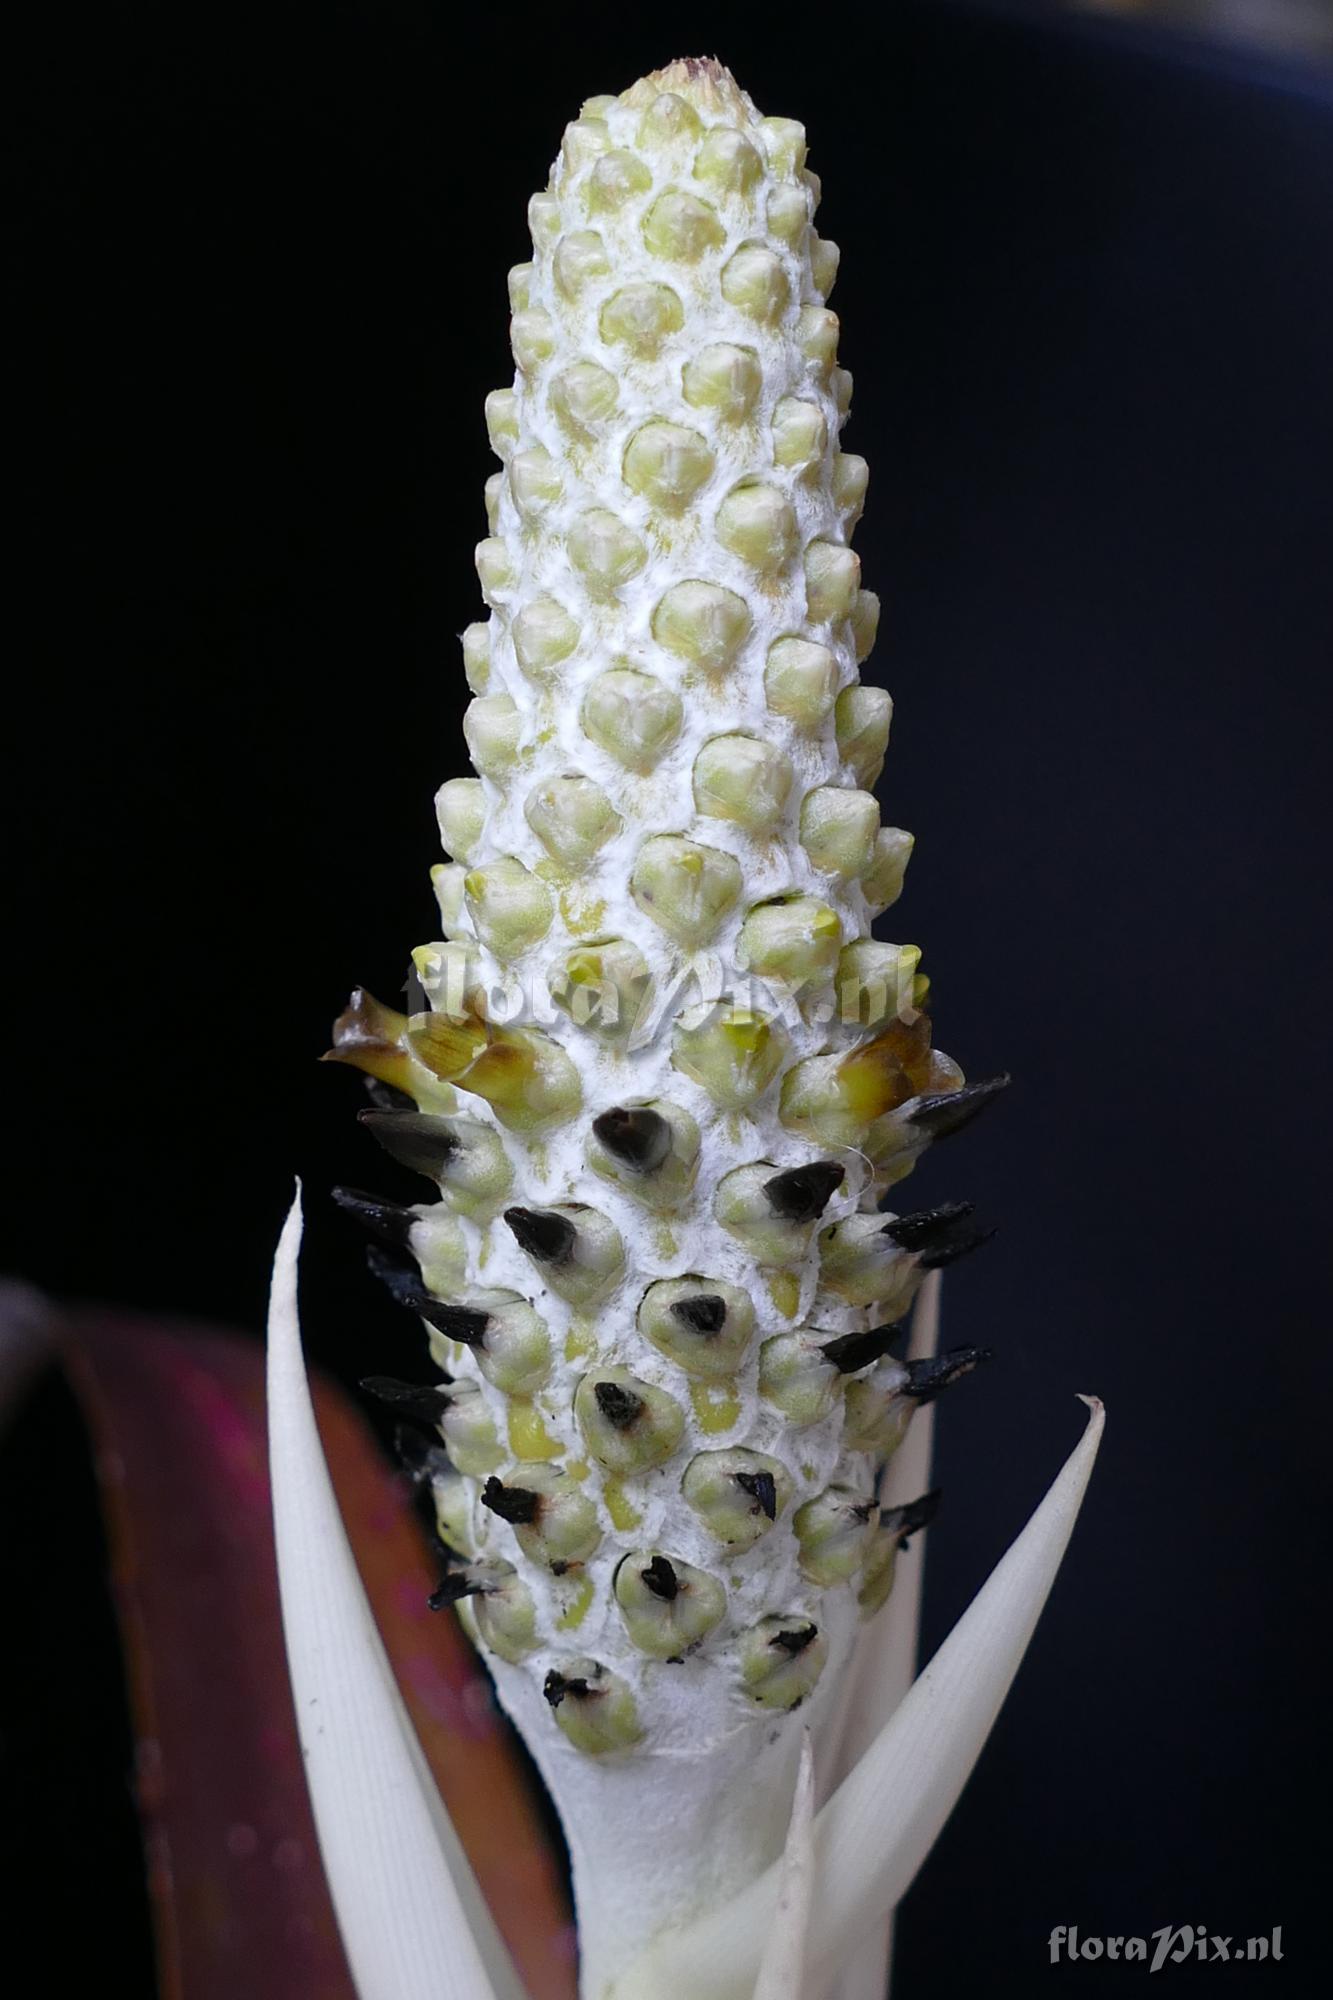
column 412, row 1919
column 873, row 1835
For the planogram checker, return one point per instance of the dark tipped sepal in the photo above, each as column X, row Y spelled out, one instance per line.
column 706, row 1313
column 516, row 1504
column 620, row 1406
column 456, row 1585
column 913, row 1516
column 761, row 1487
column 661, row 1579
column 948, row 1111
column 850, row 1351
column 801, row 1194
column 385, row 1219
column 557, row 1685
column 926, row 1225
column 929, row 1378
column 794, row 1640
column 463, row 1323
column 638, row 1138
column 423, row 1402
column 414, row 1138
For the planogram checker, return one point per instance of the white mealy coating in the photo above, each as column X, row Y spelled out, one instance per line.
column 678, row 186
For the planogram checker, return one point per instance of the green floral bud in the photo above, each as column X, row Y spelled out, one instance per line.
column 469, row 1432
column 577, row 1249
column 737, row 1494
column 801, row 681
column 792, row 940
column 840, row 386
column 593, row 1707
column 755, row 523
column 878, row 1413
column 617, row 177
column 532, row 338
column 681, row 228
column 640, row 317
column 554, row 1521
column 797, row 1378
column 667, row 464
column 460, row 809
column 451, row 1507
column 701, row 1324
column 527, row 1079
column 544, row 634
column 603, row 987
column 513, row 1350
column 505, row 1614
column 634, row 717
column 832, row 578
column 800, row 434
column 865, row 1267
column 492, row 490
column 730, row 1052
column 495, row 569
column 834, row 1531
column 727, row 161
column 781, row 1659
column 725, row 379
column 788, row 214
column 754, row 281
column 817, row 331
column 463, row 1156
column 668, row 124
column 605, row 552
column 775, row 1214
column 851, row 478
column 544, row 220
column 685, row 887
column 585, row 138
column 493, row 728
column 440, row 1248
column 502, row 421
column 882, row 883
column 520, row 287
column 447, row 880
column 584, row 396
column 863, row 716
column 510, row 908
column 742, row 779
column 702, row 623
column 824, row 260
column 864, row 615
column 896, row 1524
column 784, row 141
column 579, row 259
column 477, row 656
column 627, row 1425
column 651, row 1151
column 876, row 981
column 536, row 482
column 838, row 829
column 668, row 1606
column 572, row 817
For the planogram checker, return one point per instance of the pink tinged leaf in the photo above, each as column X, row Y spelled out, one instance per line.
column 877, row 1829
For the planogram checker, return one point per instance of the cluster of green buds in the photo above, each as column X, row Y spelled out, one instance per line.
column 662, row 1298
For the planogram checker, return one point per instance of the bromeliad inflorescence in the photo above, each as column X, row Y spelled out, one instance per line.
column 656, row 1067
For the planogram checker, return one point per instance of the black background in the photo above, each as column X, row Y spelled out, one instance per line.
column 1087, row 294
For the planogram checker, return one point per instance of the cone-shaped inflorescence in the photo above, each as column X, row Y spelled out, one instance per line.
column 657, row 1069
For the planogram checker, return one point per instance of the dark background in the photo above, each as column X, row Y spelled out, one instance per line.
column 1087, row 295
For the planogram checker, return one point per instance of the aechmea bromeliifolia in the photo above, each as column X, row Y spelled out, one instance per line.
column 657, row 1068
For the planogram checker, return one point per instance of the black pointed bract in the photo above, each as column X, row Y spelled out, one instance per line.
column 465, row 1323
column 425, row 1402
column 414, row 1138
column 556, row 1686
column 762, row 1487
column 961, row 1244
column 620, row 1406
column 458, row 1584
column 385, row 1219
column 929, row 1378
column 661, row 1579
column 639, row 1138
column 515, row 1504
column 546, row 1237
column 794, row 1642
column 705, row 1313
column 850, row 1351
column 926, row 1225
column 948, row 1111
column 801, row 1194
column 916, row 1514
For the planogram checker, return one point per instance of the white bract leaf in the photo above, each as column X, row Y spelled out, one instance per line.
column 873, row 1835
column 781, row 1970
column 886, row 1657
column 412, row 1918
